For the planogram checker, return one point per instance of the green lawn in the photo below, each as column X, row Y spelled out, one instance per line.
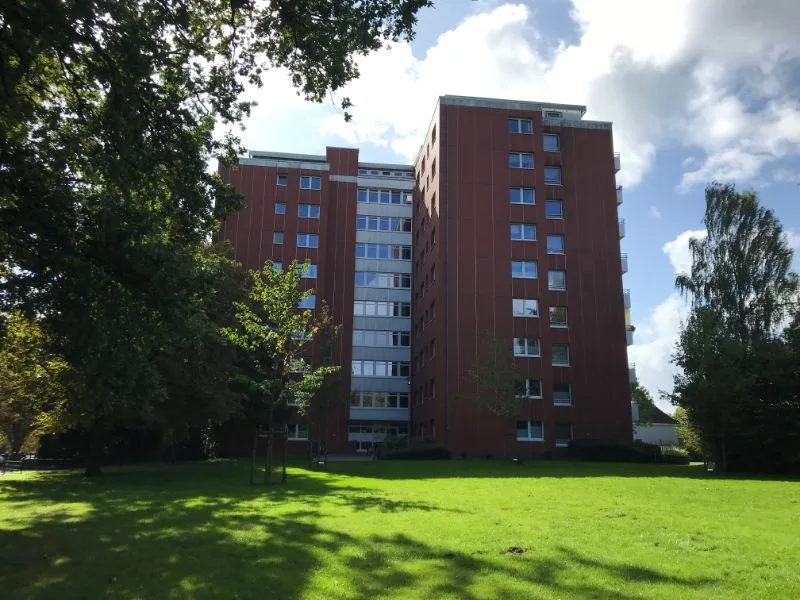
column 400, row 530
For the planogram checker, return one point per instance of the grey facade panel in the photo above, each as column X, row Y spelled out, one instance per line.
column 384, row 210
column 394, row 295
column 384, row 183
column 383, row 237
column 378, row 414
column 381, row 353
column 284, row 164
column 380, row 384
column 383, row 265
column 382, row 323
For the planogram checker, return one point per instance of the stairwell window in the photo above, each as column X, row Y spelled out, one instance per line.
column 280, row 208
column 529, row 347
column 520, row 160
column 555, row 244
column 562, row 394
column 523, row 269
column 310, row 183
column 560, row 355
column 530, row 431
column 523, row 232
column 558, row 316
column 552, row 175
column 521, row 195
column 557, row 280
column 553, row 209
column 552, row 142
column 520, row 125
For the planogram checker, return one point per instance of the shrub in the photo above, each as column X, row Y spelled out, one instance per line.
column 614, row 451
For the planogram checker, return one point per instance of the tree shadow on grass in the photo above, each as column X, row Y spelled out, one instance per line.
column 196, row 533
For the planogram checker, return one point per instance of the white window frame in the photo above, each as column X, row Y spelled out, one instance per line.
column 551, row 181
column 310, row 182
column 294, row 432
column 527, row 305
column 307, row 270
column 307, row 239
column 527, row 392
column 551, row 136
column 308, row 211
column 523, row 229
column 530, row 438
column 528, row 345
column 516, row 195
column 549, row 283
column 569, row 399
column 280, row 208
column 515, row 125
column 525, row 273
column 282, row 180
column 558, row 324
column 561, row 212
column 308, row 303
column 557, row 236
column 553, row 356
column 278, row 237
column 518, row 156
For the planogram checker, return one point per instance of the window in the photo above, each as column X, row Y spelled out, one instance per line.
column 371, row 399
column 433, row 273
column 298, row 431
column 530, row 431
column 277, row 267
column 525, row 307
column 309, row 301
column 383, row 251
column 553, row 209
column 530, row 388
column 520, row 160
column 520, row 126
column 371, row 196
column 563, row 434
column 521, row 195
column 382, row 280
column 523, row 269
column 527, row 347
column 370, row 223
column 280, row 208
column 562, row 395
column 307, row 270
column 525, row 232
column 552, row 142
column 558, row 316
column 310, row 183
column 552, row 175
column 308, row 211
column 553, row 114
column 381, row 339
column 557, row 280
column 560, row 355
column 555, row 244
column 282, row 180
column 277, row 237
column 307, row 240
column 380, row 368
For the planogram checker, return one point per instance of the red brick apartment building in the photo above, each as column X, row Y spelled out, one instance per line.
column 504, row 229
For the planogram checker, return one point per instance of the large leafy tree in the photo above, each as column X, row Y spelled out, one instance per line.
column 107, row 118
column 734, row 377
column 644, row 399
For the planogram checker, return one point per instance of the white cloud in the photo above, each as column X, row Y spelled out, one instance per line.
column 794, row 241
column 654, row 212
column 656, row 336
column 712, row 76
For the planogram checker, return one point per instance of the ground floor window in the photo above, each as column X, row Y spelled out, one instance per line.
column 298, row 431
column 530, row 431
column 563, row 434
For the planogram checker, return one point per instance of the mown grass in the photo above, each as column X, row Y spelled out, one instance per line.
column 400, row 530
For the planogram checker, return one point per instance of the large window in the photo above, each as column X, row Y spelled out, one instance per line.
column 382, row 280
column 563, row 434
column 555, row 244
column 524, row 232
column 370, row 223
column 530, row 431
column 371, row 308
column 307, row 270
column 520, row 160
column 309, row 301
column 381, row 339
column 562, row 394
column 523, row 269
column 383, row 251
column 280, row 208
column 557, row 280
column 558, row 316
column 554, row 209
column 521, row 195
column 552, row 143
column 384, row 196
column 298, row 431
column 530, row 388
column 527, row 347
column 525, row 307
column 361, row 399
column 310, row 183
column 307, row 240
column 380, row 368
column 277, row 237
column 520, row 126
column 560, row 355
column 552, row 175
column 308, row 211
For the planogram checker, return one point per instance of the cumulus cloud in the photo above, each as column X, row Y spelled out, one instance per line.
column 714, row 77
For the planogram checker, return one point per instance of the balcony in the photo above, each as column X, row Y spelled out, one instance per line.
column 627, row 298
column 629, row 336
column 617, row 163
column 621, row 228
column 632, row 372
column 619, row 195
column 624, row 260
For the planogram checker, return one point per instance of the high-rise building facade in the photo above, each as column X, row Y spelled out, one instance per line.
column 505, row 231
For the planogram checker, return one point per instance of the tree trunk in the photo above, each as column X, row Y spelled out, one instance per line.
column 94, row 456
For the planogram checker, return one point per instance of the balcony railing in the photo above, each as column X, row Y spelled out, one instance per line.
column 626, row 295
column 619, row 195
column 624, row 260
column 617, row 162
column 621, row 228
column 629, row 336
column 632, row 372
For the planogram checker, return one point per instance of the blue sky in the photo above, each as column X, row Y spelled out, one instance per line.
column 697, row 90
